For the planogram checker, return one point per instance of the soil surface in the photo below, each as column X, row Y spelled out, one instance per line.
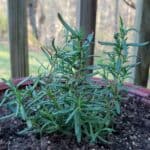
column 132, row 133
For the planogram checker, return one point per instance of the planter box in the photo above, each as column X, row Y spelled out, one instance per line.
column 127, row 134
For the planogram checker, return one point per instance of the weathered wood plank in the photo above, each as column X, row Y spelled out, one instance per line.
column 18, row 38
column 88, row 10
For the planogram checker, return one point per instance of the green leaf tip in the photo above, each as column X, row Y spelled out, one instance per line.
column 67, row 27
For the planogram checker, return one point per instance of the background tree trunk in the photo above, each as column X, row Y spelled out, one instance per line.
column 35, row 8
column 143, row 54
column 88, row 20
column 33, row 4
column 18, row 37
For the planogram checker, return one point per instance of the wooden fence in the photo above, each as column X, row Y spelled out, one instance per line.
column 18, row 32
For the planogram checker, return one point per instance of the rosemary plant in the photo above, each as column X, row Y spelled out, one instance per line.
column 117, row 65
column 66, row 100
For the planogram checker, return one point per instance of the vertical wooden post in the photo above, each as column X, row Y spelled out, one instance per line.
column 88, row 20
column 116, row 15
column 18, row 37
column 143, row 54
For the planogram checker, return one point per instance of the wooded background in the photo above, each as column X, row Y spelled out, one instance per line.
column 44, row 25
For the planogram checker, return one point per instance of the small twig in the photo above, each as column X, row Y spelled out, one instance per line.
column 130, row 3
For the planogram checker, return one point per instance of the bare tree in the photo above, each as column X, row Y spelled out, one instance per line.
column 36, row 23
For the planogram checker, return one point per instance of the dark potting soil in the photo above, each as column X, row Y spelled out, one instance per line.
column 132, row 133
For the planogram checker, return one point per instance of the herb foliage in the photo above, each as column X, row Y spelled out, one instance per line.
column 65, row 99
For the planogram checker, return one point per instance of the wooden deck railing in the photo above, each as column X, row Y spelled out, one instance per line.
column 18, row 32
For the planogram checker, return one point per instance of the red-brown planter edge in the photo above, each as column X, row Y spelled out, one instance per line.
column 4, row 86
column 144, row 93
column 132, row 89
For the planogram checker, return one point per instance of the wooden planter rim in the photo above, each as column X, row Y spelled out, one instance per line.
column 144, row 93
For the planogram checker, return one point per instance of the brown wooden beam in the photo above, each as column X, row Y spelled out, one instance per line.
column 143, row 55
column 88, row 10
column 18, row 38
